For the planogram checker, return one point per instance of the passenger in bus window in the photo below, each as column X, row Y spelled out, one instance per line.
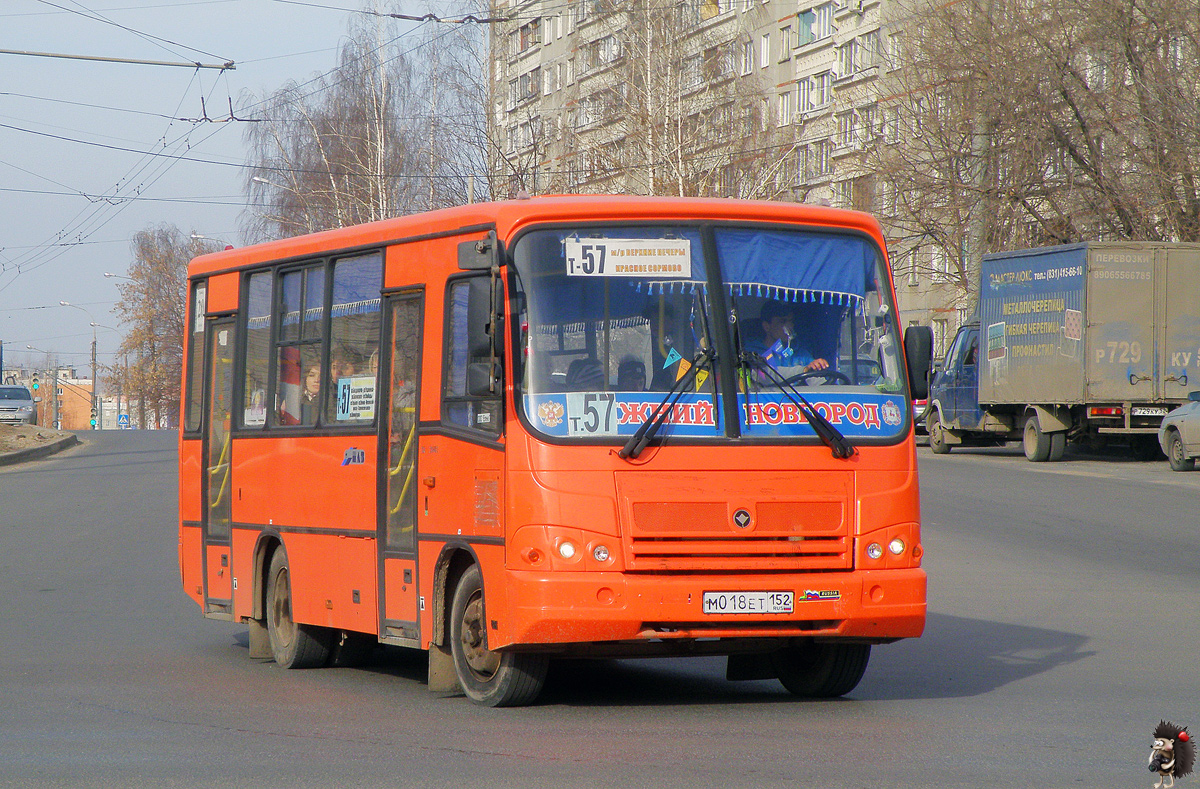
column 311, row 395
column 340, row 367
column 779, row 342
column 585, row 375
column 631, row 375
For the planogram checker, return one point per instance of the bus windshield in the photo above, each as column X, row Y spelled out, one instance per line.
column 611, row 318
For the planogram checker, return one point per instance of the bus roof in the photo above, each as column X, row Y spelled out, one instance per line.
column 510, row 215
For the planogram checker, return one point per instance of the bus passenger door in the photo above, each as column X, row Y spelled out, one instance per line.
column 217, row 482
column 397, row 538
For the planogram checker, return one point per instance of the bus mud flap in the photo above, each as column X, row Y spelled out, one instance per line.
column 442, row 678
column 260, row 640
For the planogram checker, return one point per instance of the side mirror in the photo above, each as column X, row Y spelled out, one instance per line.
column 479, row 255
column 1194, row 396
column 918, row 354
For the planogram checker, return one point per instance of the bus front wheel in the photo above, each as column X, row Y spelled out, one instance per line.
column 492, row 679
column 292, row 645
column 823, row 670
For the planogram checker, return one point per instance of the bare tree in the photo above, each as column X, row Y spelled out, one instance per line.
column 336, row 150
column 152, row 306
column 1015, row 123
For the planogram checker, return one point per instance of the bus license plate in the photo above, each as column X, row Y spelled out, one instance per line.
column 1149, row 410
column 749, row 602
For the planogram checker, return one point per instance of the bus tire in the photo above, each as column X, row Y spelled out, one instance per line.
column 821, row 671
column 490, row 679
column 1176, row 455
column 292, row 645
column 937, row 434
column 1035, row 441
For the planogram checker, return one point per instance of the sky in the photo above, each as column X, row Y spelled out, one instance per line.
column 93, row 152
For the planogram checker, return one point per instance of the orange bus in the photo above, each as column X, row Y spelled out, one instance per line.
column 558, row 427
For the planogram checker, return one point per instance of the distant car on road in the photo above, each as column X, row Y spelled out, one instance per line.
column 1179, row 434
column 16, row 406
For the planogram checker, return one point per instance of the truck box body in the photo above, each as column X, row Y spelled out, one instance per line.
column 1090, row 323
column 1082, row 340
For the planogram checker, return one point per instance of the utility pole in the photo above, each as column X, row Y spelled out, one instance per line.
column 95, row 389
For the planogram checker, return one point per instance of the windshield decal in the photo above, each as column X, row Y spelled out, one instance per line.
column 629, row 257
column 609, row 414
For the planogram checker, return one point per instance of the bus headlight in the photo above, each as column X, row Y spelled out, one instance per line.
column 874, row 550
column 896, row 546
column 562, row 548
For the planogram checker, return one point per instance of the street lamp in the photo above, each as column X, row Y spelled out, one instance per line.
column 95, row 382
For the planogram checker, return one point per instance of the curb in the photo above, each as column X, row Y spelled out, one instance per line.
column 33, row 453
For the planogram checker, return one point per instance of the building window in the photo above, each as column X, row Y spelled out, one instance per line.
column 820, row 157
column 843, row 193
column 803, row 95
column 785, row 108
column 847, row 58
column 785, row 43
column 808, row 20
column 847, row 129
column 821, row 89
column 939, row 263
column 764, row 54
column 823, row 27
column 895, row 50
column 747, row 57
column 531, row 33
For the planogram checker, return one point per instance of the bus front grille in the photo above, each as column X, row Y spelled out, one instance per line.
column 713, row 536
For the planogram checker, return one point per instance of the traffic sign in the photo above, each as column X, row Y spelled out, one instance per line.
column 123, row 421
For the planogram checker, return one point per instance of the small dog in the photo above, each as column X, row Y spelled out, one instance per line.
column 1173, row 753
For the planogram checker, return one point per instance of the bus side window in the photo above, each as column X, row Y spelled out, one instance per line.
column 354, row 340
column 468, row 342
column 298, row 353
column 257, row 345
column 195, row 375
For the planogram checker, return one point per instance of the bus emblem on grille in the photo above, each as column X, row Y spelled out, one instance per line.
column 741, row 519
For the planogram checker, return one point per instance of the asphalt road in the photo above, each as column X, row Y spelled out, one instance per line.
column 1064, row 607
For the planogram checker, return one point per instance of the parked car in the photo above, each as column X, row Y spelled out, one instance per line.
column 1179, row 434
column 919, row 409
column 16, row 406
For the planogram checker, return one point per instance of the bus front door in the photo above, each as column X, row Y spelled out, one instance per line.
column 218, row 506
column 397, row 538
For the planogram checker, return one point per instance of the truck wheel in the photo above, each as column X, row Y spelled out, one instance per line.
column 822, row 671
column 1176, row 456
column 1037, row 443
column 937, row 434
column 492, row 679
column 1058, row 447
column 292, row 645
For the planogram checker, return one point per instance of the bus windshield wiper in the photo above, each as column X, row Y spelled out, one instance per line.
column 838, row 444
column 638, row 441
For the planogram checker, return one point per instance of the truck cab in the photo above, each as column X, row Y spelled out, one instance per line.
column 954, row 392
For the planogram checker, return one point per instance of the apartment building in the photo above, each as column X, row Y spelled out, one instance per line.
column 770, row 100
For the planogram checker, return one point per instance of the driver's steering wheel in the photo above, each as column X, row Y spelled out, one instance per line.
column 829, row 374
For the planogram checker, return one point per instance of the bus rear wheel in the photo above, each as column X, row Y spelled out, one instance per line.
column 491, row 679
column 821, row 671
column 292, row 645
